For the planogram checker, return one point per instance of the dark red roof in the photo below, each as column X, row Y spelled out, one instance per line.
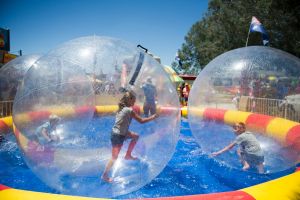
column 187, row 77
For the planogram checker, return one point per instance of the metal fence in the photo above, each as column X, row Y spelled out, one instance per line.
column 272, row 107
column 6, row 108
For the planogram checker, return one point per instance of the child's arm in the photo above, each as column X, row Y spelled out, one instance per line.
column 143, row 120
column 45, row 134
column 224, row 149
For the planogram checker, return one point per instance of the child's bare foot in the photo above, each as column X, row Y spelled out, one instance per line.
column 106, row 179
column 246, row 167
column 130, row 157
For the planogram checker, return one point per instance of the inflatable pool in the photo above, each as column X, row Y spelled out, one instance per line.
column 286, row 131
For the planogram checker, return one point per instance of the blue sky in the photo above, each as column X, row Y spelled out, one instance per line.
column 37, row 26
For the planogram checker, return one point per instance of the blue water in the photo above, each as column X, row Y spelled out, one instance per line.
column 188, row 172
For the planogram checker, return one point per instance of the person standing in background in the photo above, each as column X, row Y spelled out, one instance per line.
column 186, row 92
column 150, row 97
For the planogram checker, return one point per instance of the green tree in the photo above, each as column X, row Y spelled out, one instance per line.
column 226, row 24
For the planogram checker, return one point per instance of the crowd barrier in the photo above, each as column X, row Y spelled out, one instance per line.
column 272, row 107
column 6, row 108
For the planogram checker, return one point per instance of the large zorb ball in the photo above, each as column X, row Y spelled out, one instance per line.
column 240, row 82
column 101, row 69
column 12, row 73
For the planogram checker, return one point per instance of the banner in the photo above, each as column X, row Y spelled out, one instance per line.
column 8, row 57
column 4, row 40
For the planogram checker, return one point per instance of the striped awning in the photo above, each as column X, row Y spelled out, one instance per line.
column 173, row 75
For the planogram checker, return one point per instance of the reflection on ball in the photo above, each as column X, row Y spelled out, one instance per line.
column 12, row 73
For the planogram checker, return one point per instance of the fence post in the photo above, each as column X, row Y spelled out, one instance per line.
column 285, row 109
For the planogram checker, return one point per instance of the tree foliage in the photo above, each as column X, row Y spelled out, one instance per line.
column 225, row 26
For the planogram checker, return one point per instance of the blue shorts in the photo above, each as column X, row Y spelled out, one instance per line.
column 117, row 139
column 253, row 159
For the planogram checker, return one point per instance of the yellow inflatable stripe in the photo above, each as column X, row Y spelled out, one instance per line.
column 285, row 188
column 231, row 117
column 196, row 111
column 22, row 118
column 279, row 127
column 184, row 111
column 7, row 121
column 22, row 140
column 14, row 194
column 106, row 109
column 67, row 111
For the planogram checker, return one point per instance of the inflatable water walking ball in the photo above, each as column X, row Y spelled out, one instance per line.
column 64, row 85
column 254, row 79
column 12, row 73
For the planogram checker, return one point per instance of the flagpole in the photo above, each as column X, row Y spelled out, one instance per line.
column 248, row 35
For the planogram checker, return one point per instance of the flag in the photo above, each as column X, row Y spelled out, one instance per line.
column 256, row 26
